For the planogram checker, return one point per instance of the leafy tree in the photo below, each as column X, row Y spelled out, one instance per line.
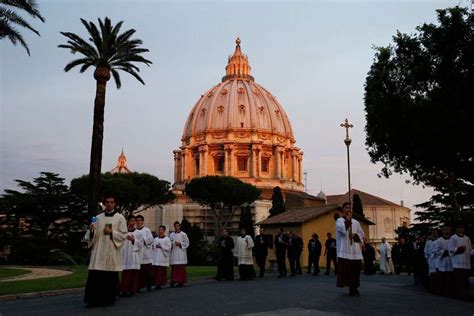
column 357, row 205
column 10, row 19
column 418, row 102
column 41, row 218
column 223, row 195
column 109, row 53
column 278, row 204
column 419, row 107
column 133, row 192
column 246, row 220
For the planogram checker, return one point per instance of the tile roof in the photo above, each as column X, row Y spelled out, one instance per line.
column 366, row 198
column 298, row 215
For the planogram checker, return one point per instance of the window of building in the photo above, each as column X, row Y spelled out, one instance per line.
column 265, row 163
column 219, row 161
column 196, row 166
column 242, row 163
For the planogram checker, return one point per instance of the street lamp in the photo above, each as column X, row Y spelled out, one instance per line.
column 348, row 141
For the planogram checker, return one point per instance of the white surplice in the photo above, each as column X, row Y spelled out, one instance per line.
column 461, row 260
column 443, row 263
column 178, row 253
column 146, row 252
column 243, row 250
column 131, row 251
column 430, row 255
column 161, row 251
column 346, row 249
column 106, row 254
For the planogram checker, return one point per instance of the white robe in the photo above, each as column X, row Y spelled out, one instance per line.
column 462, row 260
column 347, row 250
column 131, row 251
column 430, row 255
column 443, row 264
column 178, row 253
column 243, row 250
column 146, row 252
column 106, row 254
column 161, row 254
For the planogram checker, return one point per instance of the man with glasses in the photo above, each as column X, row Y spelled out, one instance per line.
column 106, row 236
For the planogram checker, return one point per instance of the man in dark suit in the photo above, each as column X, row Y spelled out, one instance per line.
column 261, row 251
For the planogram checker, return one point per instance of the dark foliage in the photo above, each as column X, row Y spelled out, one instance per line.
column 357, row 205
column 278, row 204
column 10, row 20
column 42, row 221
column 221, row 194
column 246, row 220
column 419, row 108
column 133, row 192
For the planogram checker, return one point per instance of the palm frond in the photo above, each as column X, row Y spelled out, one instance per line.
column 30, row 6
column 133, row 73
column 10, row 32
column 77, row 62
column 12, row 17
column 116, row 76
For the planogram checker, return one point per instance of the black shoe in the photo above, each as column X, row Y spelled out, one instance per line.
column 179, row 285
column 217, row 279
column 172, row 285
column 326, row 273
column 148, row 288
column 158, row 287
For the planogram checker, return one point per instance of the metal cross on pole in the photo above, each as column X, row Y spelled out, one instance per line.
column 348, row 141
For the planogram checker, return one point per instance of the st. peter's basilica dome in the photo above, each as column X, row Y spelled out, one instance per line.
column 238, row 128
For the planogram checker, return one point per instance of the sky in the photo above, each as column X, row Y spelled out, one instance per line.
column 312, row 55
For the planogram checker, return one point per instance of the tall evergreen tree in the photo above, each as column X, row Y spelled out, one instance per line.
column 357, row 205
column 278, row 204
column 246, row 220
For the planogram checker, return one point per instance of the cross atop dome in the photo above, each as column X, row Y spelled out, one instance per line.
column 121, row 165
column 238, row 65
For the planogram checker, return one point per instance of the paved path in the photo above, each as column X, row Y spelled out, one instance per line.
column 36, row 273
column 301, row 295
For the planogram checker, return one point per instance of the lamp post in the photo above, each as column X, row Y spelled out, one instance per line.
column 348, row 141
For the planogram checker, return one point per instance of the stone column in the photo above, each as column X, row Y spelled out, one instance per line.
column 229, row 164
column 256, row 152
column 294, row 167
column 184, row 161
column 277, row 163
column 177, row 169
column 203, row 160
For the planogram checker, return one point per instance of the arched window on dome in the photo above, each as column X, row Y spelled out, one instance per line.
column 196, row 166
column 242, row 163
column 219, row 164
column 265, row 164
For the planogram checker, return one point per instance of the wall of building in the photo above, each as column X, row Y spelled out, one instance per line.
column 387, row 219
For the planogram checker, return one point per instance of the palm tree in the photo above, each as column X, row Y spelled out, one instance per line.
column 109, row 52
column 9, row 19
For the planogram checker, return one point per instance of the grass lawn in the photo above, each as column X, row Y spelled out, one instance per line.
column 78, row 279
column 11, row 272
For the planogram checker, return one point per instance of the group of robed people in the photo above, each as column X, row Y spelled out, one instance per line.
column 127, row 246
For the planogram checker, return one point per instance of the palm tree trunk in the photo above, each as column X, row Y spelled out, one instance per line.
column 97, row 141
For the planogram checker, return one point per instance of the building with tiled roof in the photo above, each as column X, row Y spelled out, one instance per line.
column 308, row 220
